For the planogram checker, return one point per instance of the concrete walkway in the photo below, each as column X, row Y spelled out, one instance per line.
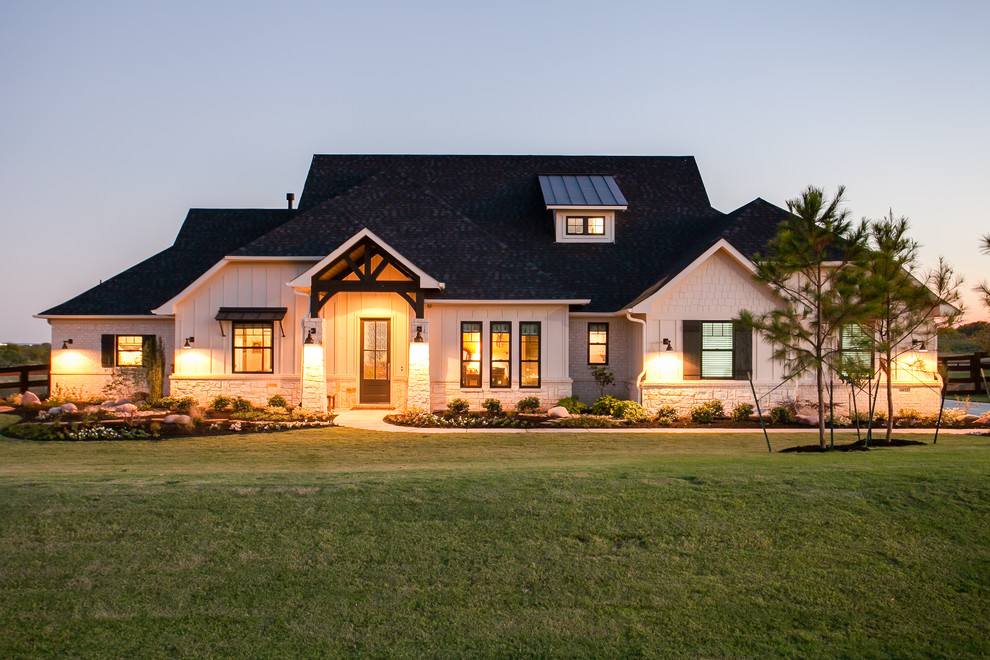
column 973, row 408
column 371, row 420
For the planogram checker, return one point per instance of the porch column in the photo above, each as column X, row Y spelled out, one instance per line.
column 314, row 380
column 418, row 393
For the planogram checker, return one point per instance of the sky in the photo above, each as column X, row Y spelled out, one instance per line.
column 120, row 116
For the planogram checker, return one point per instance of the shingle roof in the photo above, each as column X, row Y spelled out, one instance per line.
column 205, row 237
column 478, row 223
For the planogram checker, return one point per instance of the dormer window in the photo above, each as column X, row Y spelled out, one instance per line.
column 578, row 225
column 584, row 206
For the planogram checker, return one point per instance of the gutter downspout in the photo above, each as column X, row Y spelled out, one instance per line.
column 639, row 378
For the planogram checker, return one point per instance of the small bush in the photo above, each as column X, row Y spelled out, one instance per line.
column 572, row 405
column 781, row 415
column 879, row 417
column 181, row 405
column 528, row 404
column 277, row 401
column 221, row 402
column 586, row 422
column 632, row 412
column 241, row 405
column 666, row 415
column 909, row 413
column 605, row 405
column 493, row 406
column 458, row 407
column 705, row 413
column 742, row 412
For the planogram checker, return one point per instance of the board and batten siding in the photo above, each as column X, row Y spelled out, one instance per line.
column 445, row 353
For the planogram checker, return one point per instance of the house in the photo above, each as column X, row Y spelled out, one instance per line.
column 410, row 280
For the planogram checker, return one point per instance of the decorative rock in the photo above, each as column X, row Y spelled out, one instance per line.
column 108, row 405
column 122, row 402
column 985, row 420
column 558, row 412
column 126, row 409
column 810, row 420
column 57, row 410
column 966, row 419
column 90, row 409
column 184, row 420
column 69, row 408
column 30, row 399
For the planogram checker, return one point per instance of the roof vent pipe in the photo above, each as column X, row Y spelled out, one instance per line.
column 290, row 197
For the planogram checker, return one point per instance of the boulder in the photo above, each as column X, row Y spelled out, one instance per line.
column 184, row 420
column 30, row 399
column 558, row 412
column 985, row 420
column 57, row 410
column 69, row 408
column 91, row 409
column 122, row 402
column 126, row 409
column 108, row 405
column 968, row 419
column 810, row 419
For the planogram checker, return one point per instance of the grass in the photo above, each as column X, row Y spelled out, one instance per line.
column 346, row 543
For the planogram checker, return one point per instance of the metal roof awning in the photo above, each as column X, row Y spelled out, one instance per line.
column 582, row 191
column 251, row 313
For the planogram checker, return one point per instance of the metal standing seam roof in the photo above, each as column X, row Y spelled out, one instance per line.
column 583, row 190
column 251, row 313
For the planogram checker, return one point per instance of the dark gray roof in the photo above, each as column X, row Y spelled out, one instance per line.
column 206, row 236
column 583, row 191
column 477, row 223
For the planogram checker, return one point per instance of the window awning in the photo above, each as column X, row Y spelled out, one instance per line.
column 584, row 191
column 251, row 313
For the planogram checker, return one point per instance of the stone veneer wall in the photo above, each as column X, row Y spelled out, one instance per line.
column 418, row 387
column 688, row 394
column 314, row 380
column 442, row 393
column 78, row 369
column 255, row 388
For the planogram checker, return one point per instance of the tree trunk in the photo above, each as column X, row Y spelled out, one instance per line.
column 821, row 409
column 890, row 397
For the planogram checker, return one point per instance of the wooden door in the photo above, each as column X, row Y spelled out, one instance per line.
column 376, row 361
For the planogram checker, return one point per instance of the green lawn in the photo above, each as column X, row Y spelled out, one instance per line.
column 337, row 542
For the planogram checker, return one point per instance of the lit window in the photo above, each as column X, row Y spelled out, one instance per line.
column 594, row 225
column 501, row 375
column 717, row 350
column 529, row 358
column 470, row 354
column 598, row 343
column 253, row 348
column 857, row 352
column 129, row 350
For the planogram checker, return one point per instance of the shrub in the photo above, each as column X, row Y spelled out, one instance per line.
column 572, row 405
column 493, row 406
column 632, row 412
column 181, row 405
column 742, row 412
column 781, row 415
column 221, row 402
column 909, row 413
column 879, row 417
column 705, row 413
column 458, row 407
column 528, row 404
column 586, row 422
column 277, row 401
column 666, row 415
column 241, row 405
column 604, row 378
column 605, row 405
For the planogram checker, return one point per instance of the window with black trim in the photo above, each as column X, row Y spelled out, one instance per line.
column 253, row 347
column 717, row 350
column 598, row 343
column 501, row 354
column 579, row 225
column 529, row 354
column 125, row 350
column 856, row 351
column 470, row 353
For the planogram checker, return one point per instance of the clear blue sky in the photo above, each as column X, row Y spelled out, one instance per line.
column 119, row 116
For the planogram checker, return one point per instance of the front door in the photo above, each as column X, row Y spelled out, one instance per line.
column 376, row 361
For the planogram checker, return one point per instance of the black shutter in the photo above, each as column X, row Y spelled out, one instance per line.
column 107, row 345
column 742, row 351
column 692, row 350
column 147, row 349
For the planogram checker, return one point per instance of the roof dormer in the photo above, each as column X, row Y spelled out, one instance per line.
column 584, row 206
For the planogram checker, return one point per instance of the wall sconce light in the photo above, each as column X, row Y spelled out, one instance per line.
column 66, row 344
column 309, row 337
column 668, row 344
column 419, row 335
column 922, row 348
column 189, row 342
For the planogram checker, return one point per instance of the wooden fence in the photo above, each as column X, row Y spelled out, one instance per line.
column 19, row 379
column 965, row 373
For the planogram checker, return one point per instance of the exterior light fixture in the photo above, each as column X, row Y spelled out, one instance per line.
column 922, row 348
column 419, row 335
column 309, row 337
column 189, row 342
column 669, row 344
column 66, row 343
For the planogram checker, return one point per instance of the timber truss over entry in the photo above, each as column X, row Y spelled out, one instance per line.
column 365, row 264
